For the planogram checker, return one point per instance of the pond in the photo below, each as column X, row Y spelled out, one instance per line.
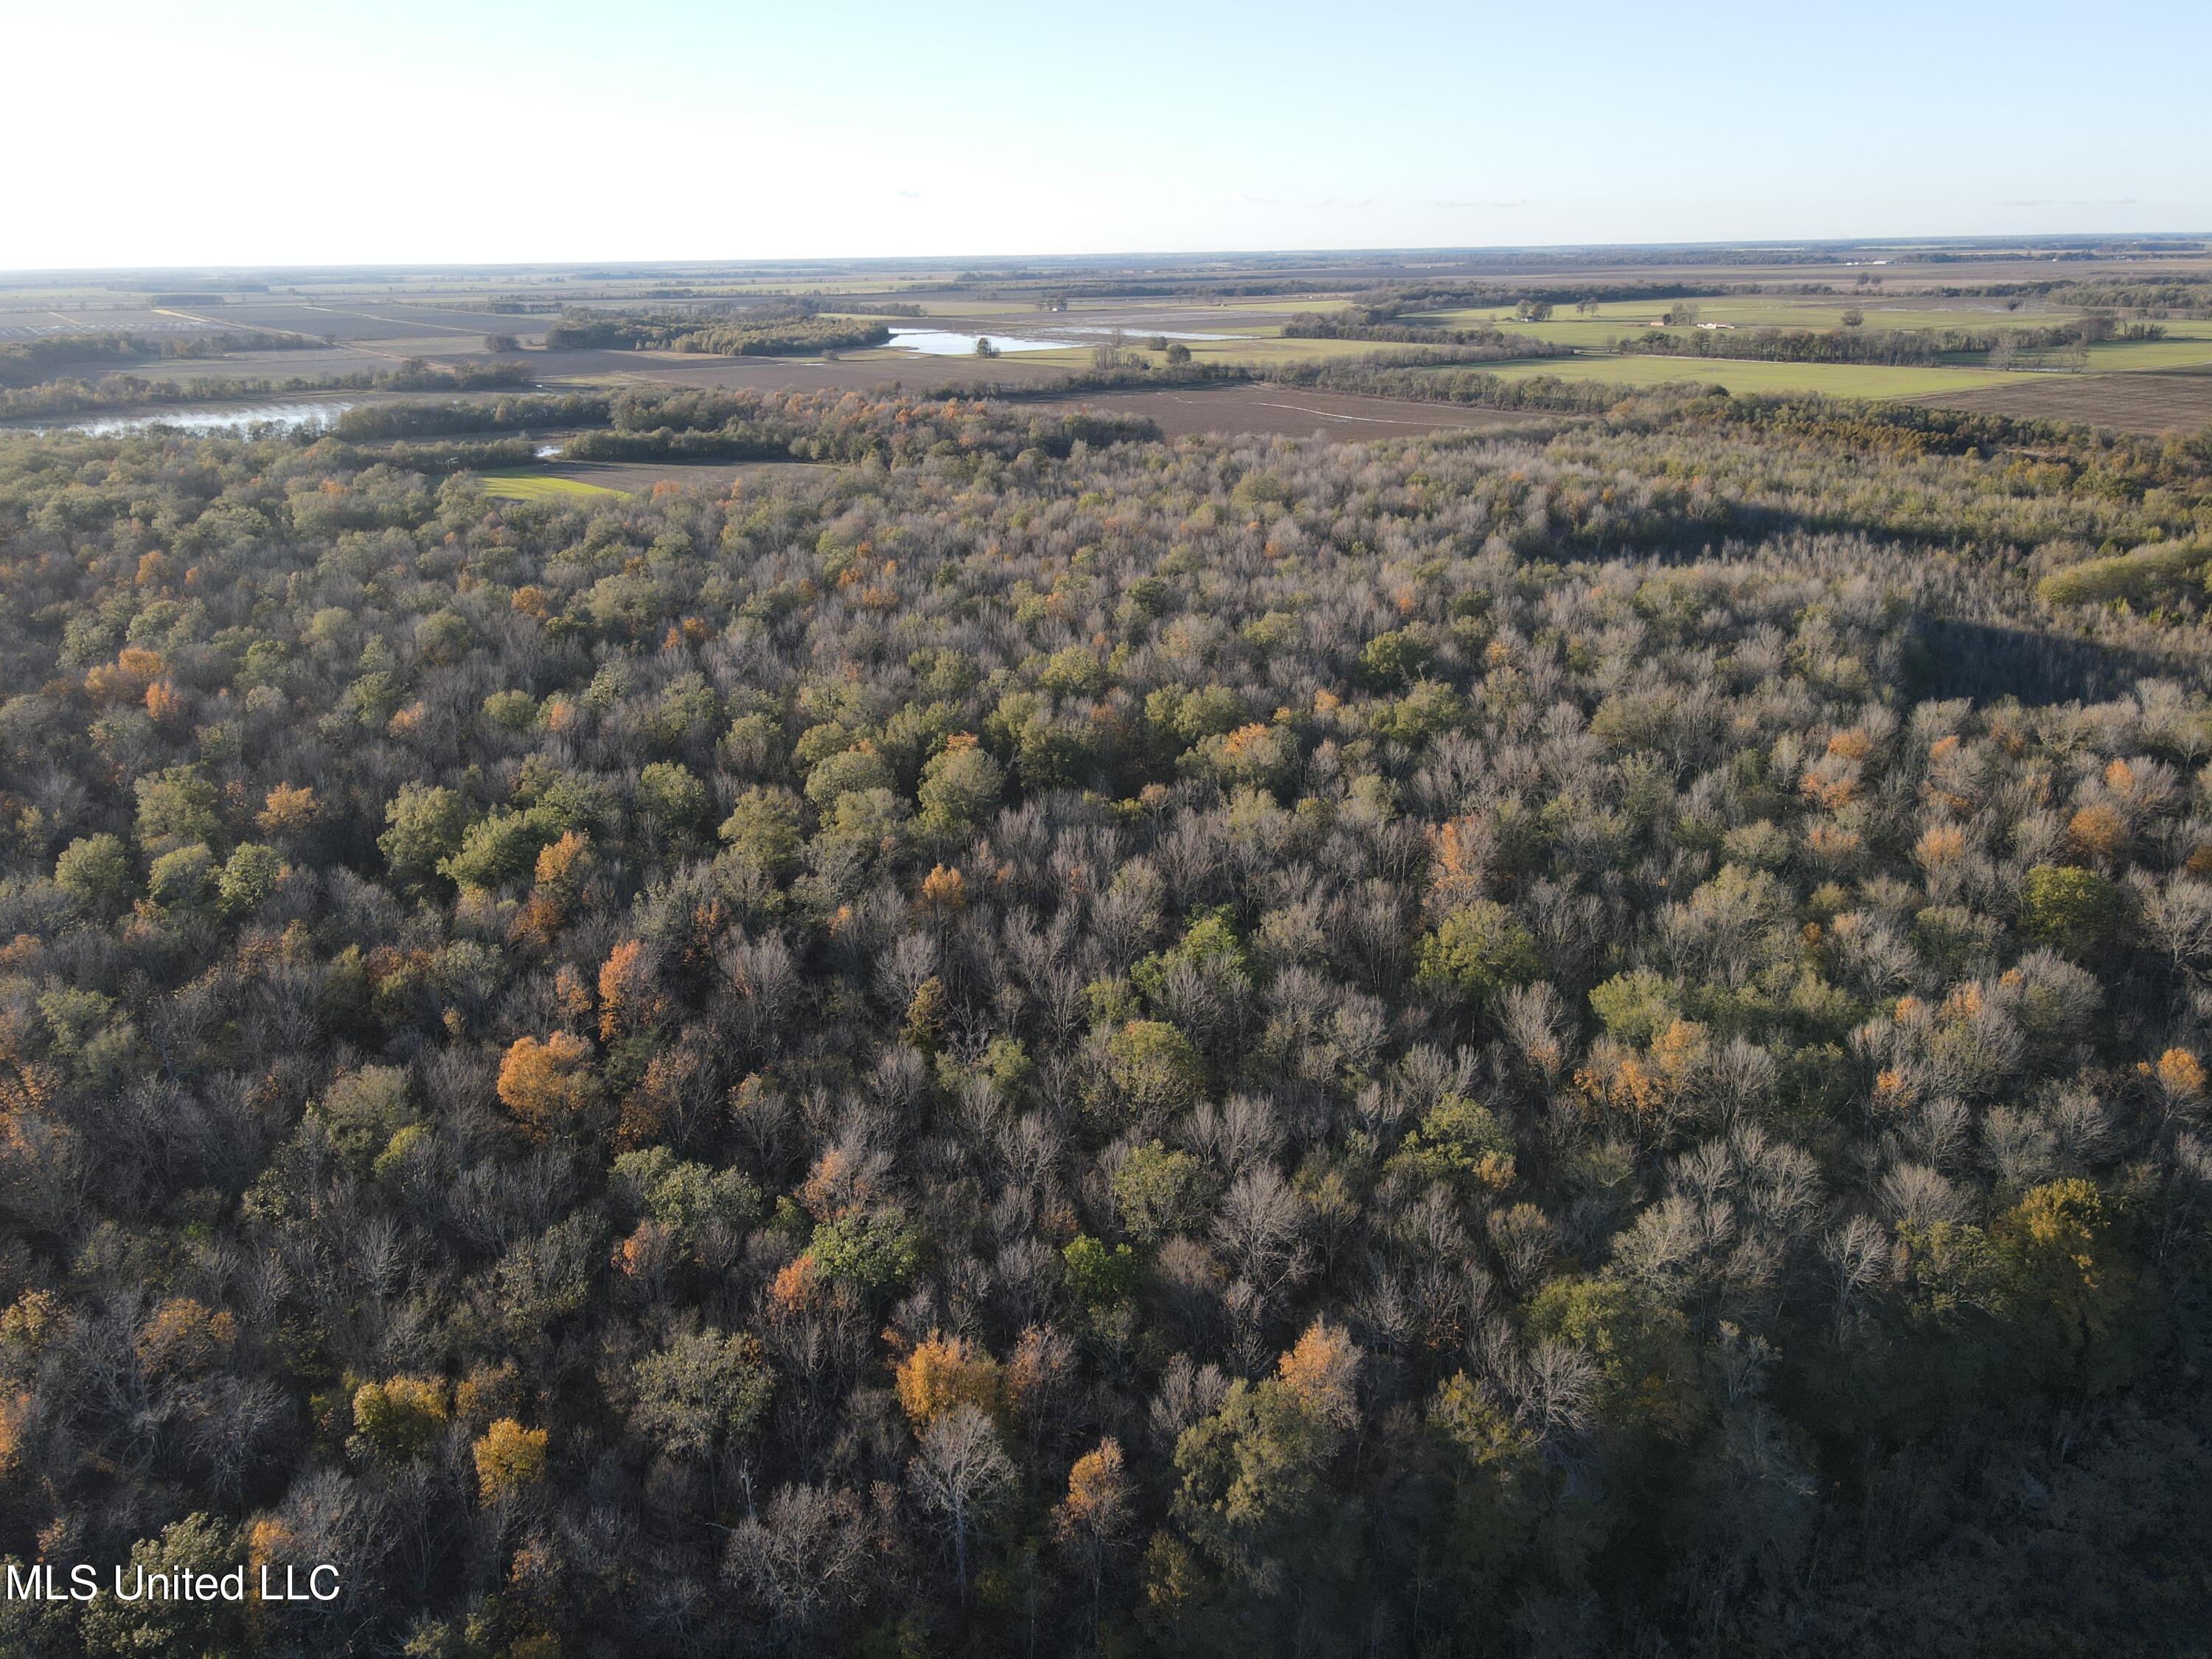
column 947, row 343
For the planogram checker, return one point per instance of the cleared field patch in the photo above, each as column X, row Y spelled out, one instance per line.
column 645, row 477
column 1580, row 334
column 1827, row 311
column 522, row 484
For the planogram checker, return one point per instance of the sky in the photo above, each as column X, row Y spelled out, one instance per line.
column 479, row 132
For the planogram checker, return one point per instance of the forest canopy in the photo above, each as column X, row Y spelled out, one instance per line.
column 1042, row 1041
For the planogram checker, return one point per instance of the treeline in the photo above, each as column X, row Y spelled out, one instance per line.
column 1427, row 377
column 24, row 362
column 1478, row 343
column 117, row 392
column 1890, row 346
column 2141, row 544
column 1840, row 346
column 2169, row 296
column 741, row 425
column 1440, row 377
column 465, row 375
column 783, row 333
column 1407, row 374
column 2183, row 295
column 1386, row 305
column 868, row 305
column 600, row 331
column 841, row 428
column 801, row 336
column 129, row 391
column 377, row 423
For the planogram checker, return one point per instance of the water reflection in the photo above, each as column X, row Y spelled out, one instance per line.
column 948, row 343
column 210, row 422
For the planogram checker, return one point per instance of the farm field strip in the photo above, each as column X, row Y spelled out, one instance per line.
column 522, row 484
column 2148, row 403
column 2134, row 357
column 1743, row 374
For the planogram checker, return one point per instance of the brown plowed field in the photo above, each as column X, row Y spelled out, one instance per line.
column 2149, row 402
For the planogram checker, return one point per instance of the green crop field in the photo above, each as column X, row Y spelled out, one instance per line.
column 516, row 484
column 1592, row 335
column 1270, row 348
column 2117, row 355
column 1836, row 380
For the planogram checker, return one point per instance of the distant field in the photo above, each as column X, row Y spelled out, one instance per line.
column 2122, row 356
column 1826, row 311
column 2187, row 342
column 2132, row 402
column 375, row 319
column 1836, row 379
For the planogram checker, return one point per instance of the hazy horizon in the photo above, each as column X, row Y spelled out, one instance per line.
column 502, row 135
column 1134, row 255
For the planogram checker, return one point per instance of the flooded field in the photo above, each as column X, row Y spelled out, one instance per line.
column 953, row 343
column 960, row 342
